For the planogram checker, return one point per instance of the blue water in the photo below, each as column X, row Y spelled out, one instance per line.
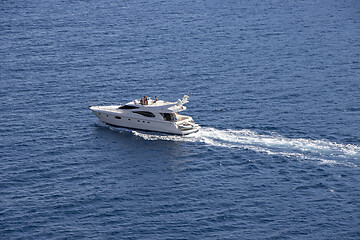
column 274, row 84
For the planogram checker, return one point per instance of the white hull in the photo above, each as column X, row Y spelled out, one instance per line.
column 142, row 123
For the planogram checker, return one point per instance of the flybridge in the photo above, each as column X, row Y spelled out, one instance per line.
column 158, row 105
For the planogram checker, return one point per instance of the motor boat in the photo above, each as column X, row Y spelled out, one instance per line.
column 148, row 115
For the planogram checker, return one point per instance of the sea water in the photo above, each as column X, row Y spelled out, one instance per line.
column 275, row 86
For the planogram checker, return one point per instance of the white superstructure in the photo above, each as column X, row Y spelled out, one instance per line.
column 158, row 116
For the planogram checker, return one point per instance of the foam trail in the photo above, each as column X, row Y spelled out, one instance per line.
column 321, row 150
column 325, row 152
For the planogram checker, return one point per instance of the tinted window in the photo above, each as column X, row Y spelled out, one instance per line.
column 166, row 116
column 128, row 107
column 144, row 113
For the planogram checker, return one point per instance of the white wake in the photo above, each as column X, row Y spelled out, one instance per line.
column 325, row 152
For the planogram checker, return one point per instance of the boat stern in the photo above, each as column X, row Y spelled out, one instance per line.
column 186, row 125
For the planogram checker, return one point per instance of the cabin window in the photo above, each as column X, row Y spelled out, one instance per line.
column 144, row 113
column 128, row 107
column 118, row 117
column 168, row 116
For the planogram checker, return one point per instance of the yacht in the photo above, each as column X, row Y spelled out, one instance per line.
column 148, row 115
